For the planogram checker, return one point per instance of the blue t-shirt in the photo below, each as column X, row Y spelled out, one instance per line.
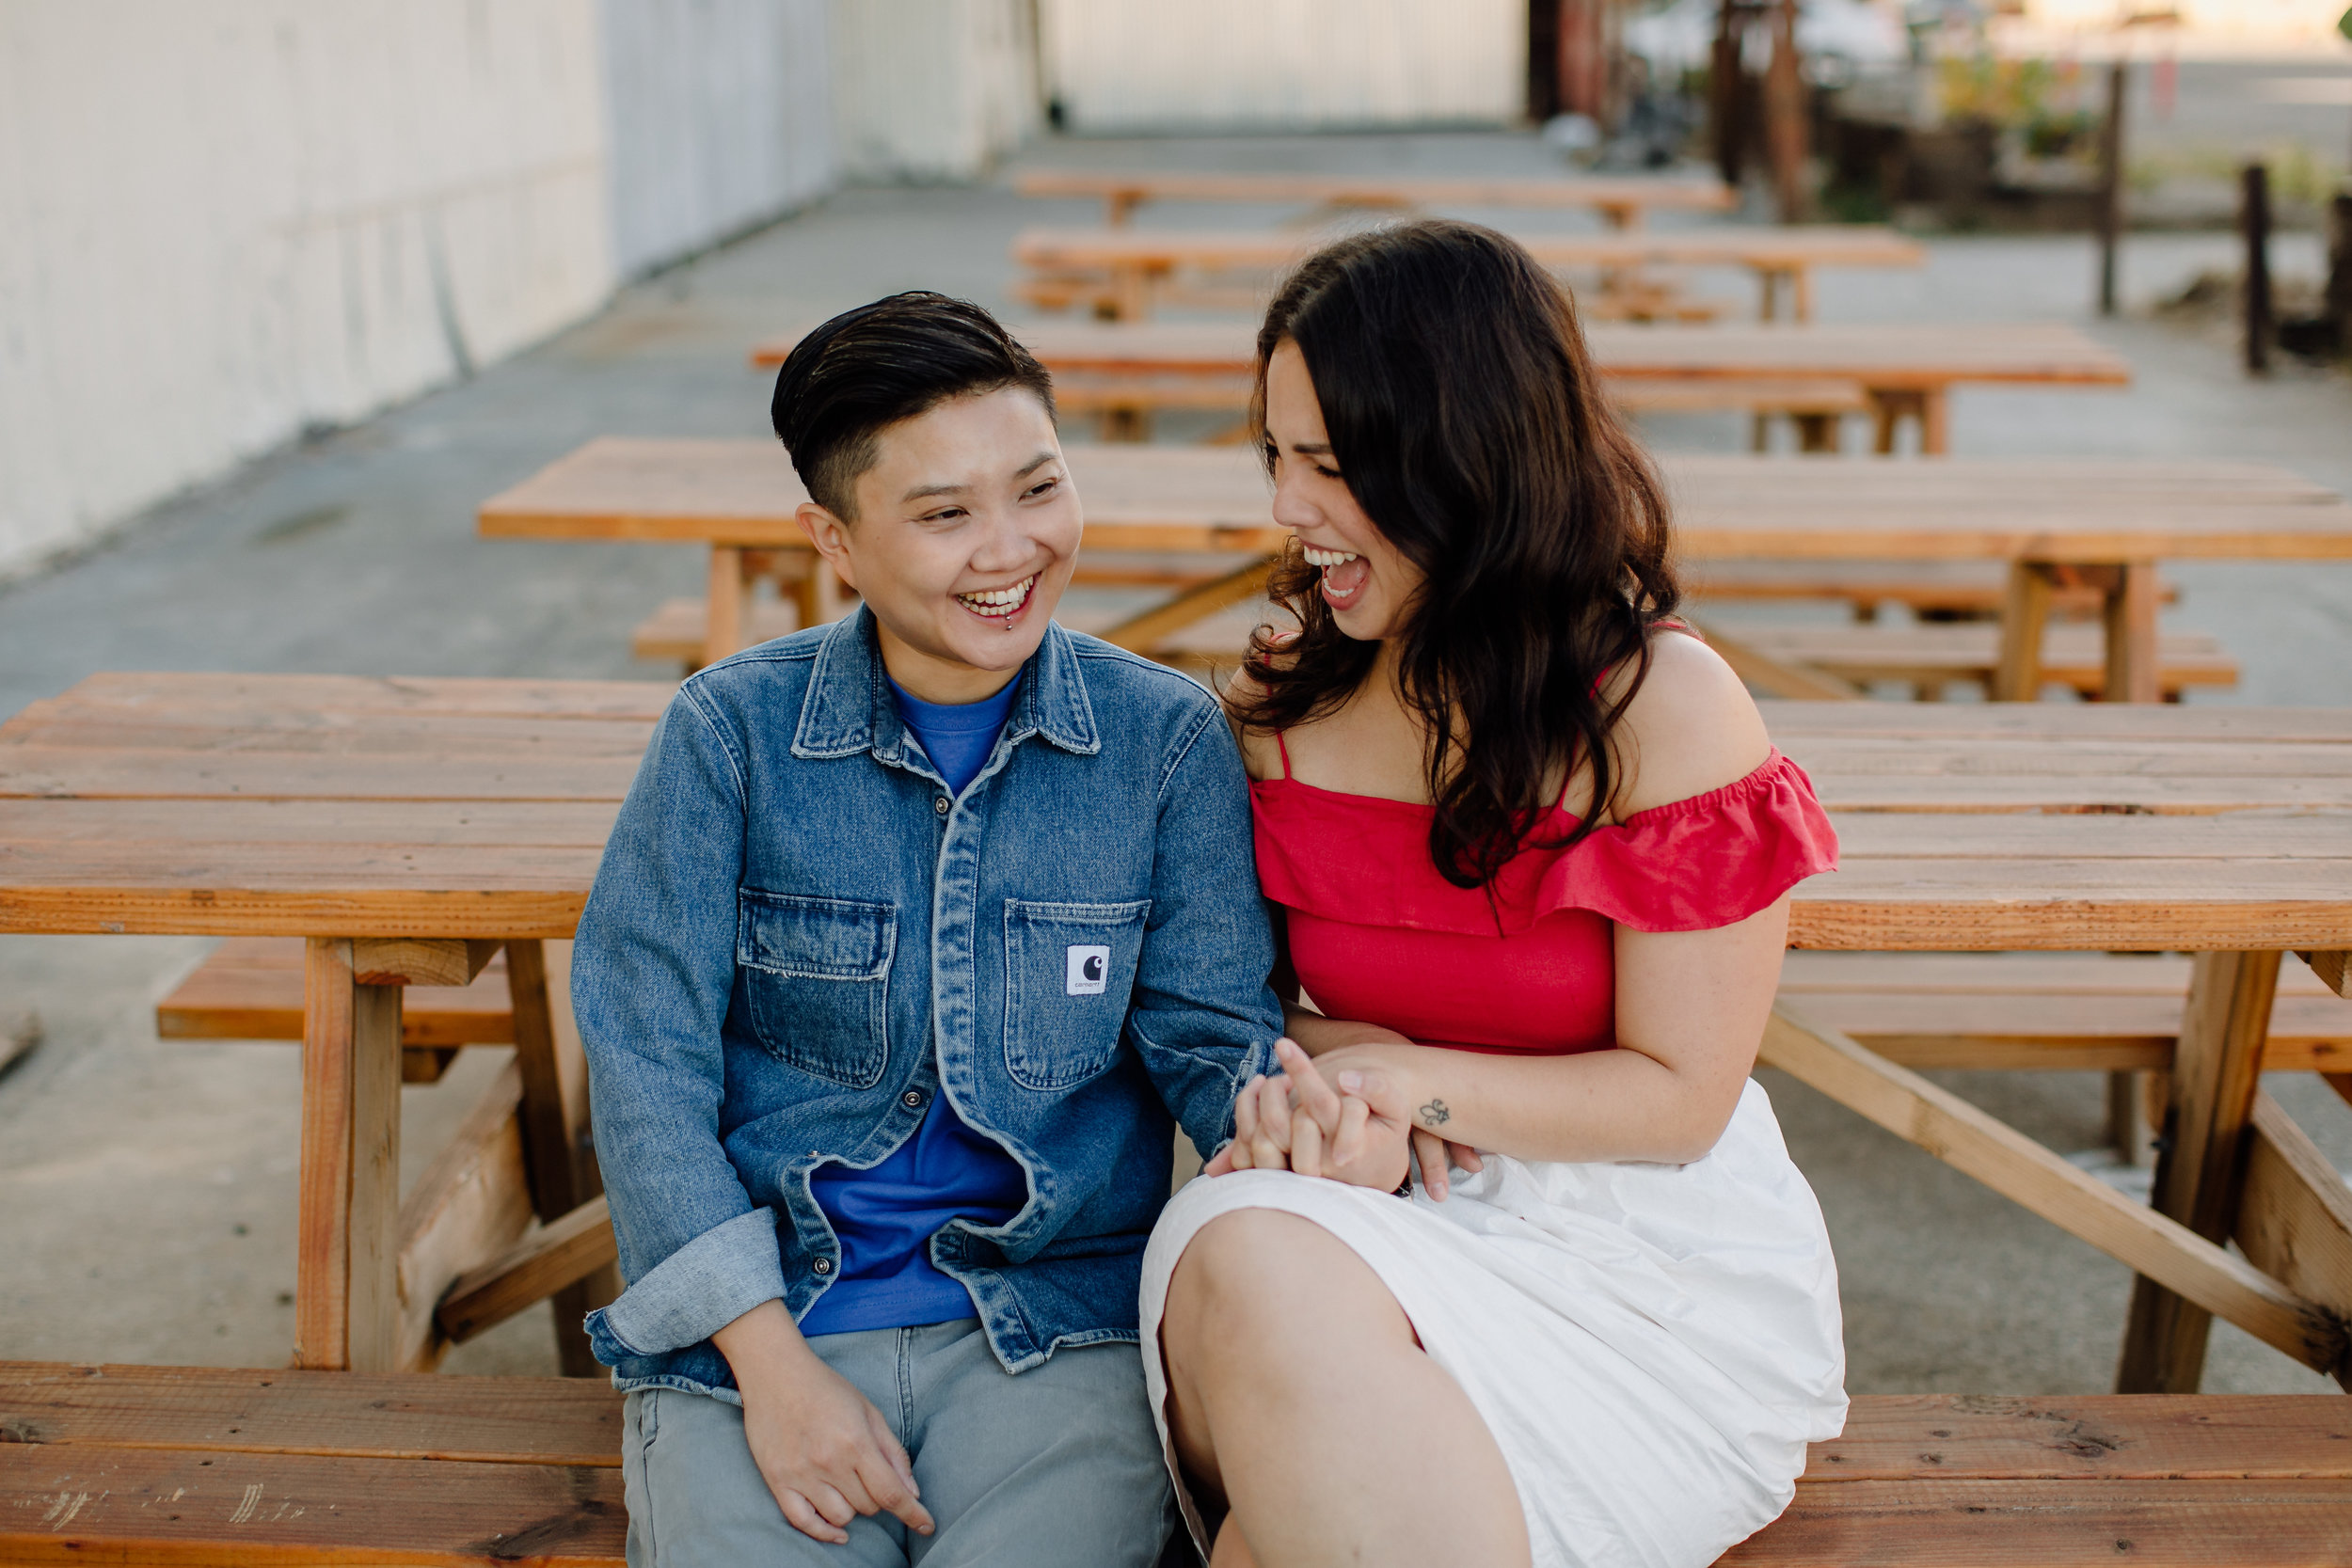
column 885, row 1216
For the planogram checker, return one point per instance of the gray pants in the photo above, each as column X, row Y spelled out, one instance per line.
column 1057, row 1467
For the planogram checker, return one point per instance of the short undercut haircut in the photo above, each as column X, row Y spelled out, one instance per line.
column 868, row 368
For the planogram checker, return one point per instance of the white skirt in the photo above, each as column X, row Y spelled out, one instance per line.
column 1652, row 1346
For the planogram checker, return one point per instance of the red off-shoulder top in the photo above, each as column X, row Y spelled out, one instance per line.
column 1376, row 935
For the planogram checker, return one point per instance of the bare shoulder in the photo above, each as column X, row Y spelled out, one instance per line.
column 1690, row 728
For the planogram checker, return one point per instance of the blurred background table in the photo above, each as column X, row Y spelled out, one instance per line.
column 1623, row 201
column 2099, row 526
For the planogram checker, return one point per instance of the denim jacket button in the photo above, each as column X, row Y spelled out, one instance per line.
column 911, row 1099
column 822, row 1265
column 941, row 804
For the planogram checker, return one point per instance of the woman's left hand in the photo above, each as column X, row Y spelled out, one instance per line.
column 1356, row 1132
column 1387, row 1079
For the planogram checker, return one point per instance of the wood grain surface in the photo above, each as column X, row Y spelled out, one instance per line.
column 1822, row 244
column 1630, row 192
column 1215, row 500
column 197, row 1466
column 1882, row 355
column 315, row 805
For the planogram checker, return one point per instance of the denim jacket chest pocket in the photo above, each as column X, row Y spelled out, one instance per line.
column 1069, row 968
column 817, row 973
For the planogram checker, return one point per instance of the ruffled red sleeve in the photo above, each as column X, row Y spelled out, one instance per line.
column 1691, row 865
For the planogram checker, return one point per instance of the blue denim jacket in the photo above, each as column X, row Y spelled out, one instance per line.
column 797, row 938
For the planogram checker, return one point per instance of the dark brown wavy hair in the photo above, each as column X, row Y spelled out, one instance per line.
column 1465, row 419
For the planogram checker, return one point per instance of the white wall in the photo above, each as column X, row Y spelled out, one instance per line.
column 1141, row 65
column 931, row 90
column 224, row 220
column 720, row 117
column 220, row 222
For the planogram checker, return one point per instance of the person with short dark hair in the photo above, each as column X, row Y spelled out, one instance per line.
column 917, row 937
column 1530, row 850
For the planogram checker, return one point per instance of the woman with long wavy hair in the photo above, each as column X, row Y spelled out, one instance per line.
column 1510, row 1266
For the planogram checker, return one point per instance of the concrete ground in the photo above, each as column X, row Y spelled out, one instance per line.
column 147, row 1189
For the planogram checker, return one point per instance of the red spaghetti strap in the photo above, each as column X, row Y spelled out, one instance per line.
column 1283, row 747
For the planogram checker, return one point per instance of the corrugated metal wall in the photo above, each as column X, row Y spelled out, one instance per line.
column 1143, row 65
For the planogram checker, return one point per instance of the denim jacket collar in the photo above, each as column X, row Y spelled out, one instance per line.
column 849, row 708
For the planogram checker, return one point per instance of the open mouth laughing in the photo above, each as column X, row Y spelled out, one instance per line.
column 1343, row 574
column 1000, row 604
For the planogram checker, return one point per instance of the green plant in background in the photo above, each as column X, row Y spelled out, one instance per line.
column 2036, row 100
column 2299, row 175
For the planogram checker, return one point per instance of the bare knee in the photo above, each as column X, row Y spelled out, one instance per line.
column 1227, row 1290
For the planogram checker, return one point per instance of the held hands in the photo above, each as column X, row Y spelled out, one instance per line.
column 824, row 1450
column 1350, row 1117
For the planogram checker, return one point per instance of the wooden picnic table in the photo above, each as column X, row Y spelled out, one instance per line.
column 1141, row 263
column 1622, row 200
column 1907, row 371
column 408, row 829
column 2101, row 522
column 394, row 823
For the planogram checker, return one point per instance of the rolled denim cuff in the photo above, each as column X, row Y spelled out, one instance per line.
column 695, row 1292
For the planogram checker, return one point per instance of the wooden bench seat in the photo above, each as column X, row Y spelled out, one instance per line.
column 1930, row 590
column 1934, row 656
column 250, row 988
column 201, row 1465
column 2098, row 1011
column 676, row 630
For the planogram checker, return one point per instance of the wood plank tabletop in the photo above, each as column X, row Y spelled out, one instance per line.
column 1883, row 356
column 1214, row 499
column 1623, row 192
column 1761, row 246
column 298, row 805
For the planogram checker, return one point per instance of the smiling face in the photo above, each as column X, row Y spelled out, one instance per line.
column 1368, row 582
column 966, row 531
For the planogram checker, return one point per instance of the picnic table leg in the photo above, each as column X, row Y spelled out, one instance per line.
column 1935, row 422
column 2130, row 613
column 556, row 1152
column 2217, row 1071
column 2025, row 616
column 1131, row 293
column 1801, row 284
column 1888, row 405
column 1768, row 307
column 347, row 1247
column 722, row 628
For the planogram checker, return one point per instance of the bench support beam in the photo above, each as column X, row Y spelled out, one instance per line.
column 469, row 1206
column 2295, row 1218
column 1778, row 677
column 2012, row 1165
column 2217, row 1071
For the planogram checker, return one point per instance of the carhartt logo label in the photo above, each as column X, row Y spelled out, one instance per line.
column 1088, row 968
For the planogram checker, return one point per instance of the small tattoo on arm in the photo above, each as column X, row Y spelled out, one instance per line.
column 1435, row 1114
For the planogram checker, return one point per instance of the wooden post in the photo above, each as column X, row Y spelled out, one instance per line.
column 555, row 1119
column 1785, row 113
column 2339, row 297
column 727, row 612
column 347, row 1247
column 2111, row 183
column 2024, row 615
column 2129, row 610
column 2254, row 224
column 1727, row 93
column 2215, row 1072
